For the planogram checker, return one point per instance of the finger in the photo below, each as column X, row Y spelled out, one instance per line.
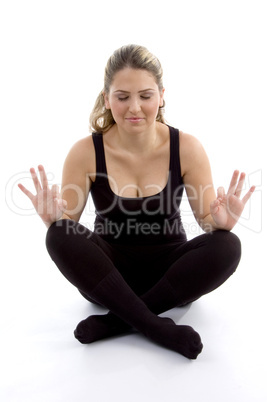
column 220, row 192
column 232, row 186
column 214, row 206
column 35, row 180
column 248, row 195
column 43, row 176
column 62, row 204
column 240, row 184
column 55, row 191
column 25, row 191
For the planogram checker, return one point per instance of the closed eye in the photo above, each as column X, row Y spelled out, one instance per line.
column 124, row 98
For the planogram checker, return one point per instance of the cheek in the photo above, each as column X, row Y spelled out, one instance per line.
column 118, row 109
column 152, row 108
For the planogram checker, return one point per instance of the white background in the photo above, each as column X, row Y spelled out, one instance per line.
column 53, row 55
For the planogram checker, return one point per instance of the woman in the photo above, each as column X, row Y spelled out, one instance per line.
column 137, row 262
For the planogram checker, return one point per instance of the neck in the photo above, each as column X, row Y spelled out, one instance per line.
column 137, row 142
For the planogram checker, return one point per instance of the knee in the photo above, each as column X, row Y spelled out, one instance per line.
column 55, row 235
column 228, row 246
column 67, row 237
column 60, row 233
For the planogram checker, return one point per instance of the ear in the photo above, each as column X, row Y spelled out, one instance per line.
column 107, row 105
column 162, row 97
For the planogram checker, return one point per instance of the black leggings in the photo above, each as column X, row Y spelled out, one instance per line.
column 136, row 283
column 163, row 276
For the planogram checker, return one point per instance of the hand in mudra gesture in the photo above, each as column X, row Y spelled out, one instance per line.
column 47, row 201
column 227, row 208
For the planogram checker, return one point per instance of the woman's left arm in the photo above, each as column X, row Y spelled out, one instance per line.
column 211, row 212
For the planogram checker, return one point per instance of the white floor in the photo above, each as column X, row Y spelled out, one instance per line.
column 42, row 361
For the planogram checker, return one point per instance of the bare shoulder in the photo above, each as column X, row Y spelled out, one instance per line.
column 189, row 144
column 82, row 155
column 81, row 148
column 192, row 153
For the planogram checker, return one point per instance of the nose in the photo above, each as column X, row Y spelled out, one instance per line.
column 134, row 106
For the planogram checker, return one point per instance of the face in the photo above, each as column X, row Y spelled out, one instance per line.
column 134, row 99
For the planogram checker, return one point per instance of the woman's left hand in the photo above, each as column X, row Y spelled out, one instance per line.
column 227, row 208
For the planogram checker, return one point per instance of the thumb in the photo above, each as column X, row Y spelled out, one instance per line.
column 62, row 204
column 214, row 206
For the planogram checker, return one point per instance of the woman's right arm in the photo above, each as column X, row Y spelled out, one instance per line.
column 77, row 176
column 78, row 171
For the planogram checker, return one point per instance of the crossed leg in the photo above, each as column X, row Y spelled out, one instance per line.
column 194, row 269
column 188, row 277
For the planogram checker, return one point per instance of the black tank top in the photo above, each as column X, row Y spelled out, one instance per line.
column 141, row 220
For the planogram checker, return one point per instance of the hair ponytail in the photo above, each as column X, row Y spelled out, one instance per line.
column 101, row 119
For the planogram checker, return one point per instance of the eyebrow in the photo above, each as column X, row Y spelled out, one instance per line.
column 143, row 90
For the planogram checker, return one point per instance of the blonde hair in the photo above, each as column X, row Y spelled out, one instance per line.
column 131, row 56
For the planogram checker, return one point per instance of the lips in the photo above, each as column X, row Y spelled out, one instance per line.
column 134, row 119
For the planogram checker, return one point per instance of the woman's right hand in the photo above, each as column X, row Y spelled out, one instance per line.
column 47, row 201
